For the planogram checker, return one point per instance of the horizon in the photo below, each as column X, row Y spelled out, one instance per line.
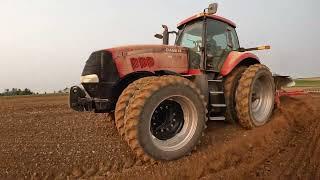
column 44, row 44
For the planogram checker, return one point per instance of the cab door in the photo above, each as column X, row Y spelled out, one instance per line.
column 220, row 41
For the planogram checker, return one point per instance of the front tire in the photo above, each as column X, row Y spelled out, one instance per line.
column 124, row 99
column 255, row 96
column 165, row 120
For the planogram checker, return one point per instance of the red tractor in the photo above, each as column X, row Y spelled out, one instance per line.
column 161, row 95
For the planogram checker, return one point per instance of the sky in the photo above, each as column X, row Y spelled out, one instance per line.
column 44, row 43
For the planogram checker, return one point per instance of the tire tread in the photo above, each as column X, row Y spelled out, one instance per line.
column 136, row 105
column 243, row 92
column 124, row 99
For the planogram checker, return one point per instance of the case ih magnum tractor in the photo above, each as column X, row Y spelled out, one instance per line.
column 161, row 96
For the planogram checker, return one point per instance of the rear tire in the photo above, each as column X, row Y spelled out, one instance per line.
column 255, row 96
column 165, row 120
column 230, row 87
column 124, row 99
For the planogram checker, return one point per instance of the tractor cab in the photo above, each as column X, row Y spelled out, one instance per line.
column 209, row 38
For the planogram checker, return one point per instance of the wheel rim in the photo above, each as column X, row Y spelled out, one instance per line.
column 173, row 123
column 261, row 99
column 167, row 120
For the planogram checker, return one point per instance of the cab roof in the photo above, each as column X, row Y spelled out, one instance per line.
column 198, row 16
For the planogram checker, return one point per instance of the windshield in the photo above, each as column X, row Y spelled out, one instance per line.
column 191, row 36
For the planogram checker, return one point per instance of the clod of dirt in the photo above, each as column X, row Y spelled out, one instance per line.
column 77, row 172
column 90, row 172
column 138, row 163
column 61, row 176
column 128, row 163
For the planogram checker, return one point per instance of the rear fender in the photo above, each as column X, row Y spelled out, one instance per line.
column 238, row 58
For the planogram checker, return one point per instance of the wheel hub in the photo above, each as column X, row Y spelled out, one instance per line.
column 261, row 99
column 167, row 120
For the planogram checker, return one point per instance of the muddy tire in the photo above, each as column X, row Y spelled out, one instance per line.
column 230, row 87
column 124, row 99
column 255, row 96
column 165, row 120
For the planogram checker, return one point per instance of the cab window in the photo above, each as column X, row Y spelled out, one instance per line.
column 191, row 36
column 235, row 41
column 218, row 43
column 217, row 37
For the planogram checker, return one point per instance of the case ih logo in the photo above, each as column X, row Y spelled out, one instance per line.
column 173, row 50
column 142, row 62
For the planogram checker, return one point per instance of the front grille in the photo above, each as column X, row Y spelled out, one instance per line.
column 109, row 72
column 102, row 64
column 93, row 64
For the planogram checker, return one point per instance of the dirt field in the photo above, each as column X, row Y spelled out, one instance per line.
column 40, row 137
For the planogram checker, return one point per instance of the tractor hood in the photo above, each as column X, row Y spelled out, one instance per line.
column 152, row 58
column 107, row 67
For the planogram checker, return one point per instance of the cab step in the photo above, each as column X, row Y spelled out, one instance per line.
column 216, row 92
column 218, row 105
column 215, row 80
column 218, row 118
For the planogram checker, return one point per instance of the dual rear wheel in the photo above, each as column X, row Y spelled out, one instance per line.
column 249, row 95
column 163, row 118
column 255, row 96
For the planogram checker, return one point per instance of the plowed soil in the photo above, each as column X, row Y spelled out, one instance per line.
column 41, row 138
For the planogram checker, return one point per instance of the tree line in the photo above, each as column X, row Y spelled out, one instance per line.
column 26, row 91
column 16, row 92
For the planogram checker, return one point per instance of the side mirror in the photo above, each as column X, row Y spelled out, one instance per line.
column 212, row 9
column 159, row 36
column 165, row 35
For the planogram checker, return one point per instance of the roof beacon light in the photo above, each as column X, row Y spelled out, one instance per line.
column 212, row 9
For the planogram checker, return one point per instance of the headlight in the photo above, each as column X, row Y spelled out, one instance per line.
column 92, row 78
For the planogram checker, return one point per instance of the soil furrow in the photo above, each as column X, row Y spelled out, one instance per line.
column 303, row 163
column 41, row 137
